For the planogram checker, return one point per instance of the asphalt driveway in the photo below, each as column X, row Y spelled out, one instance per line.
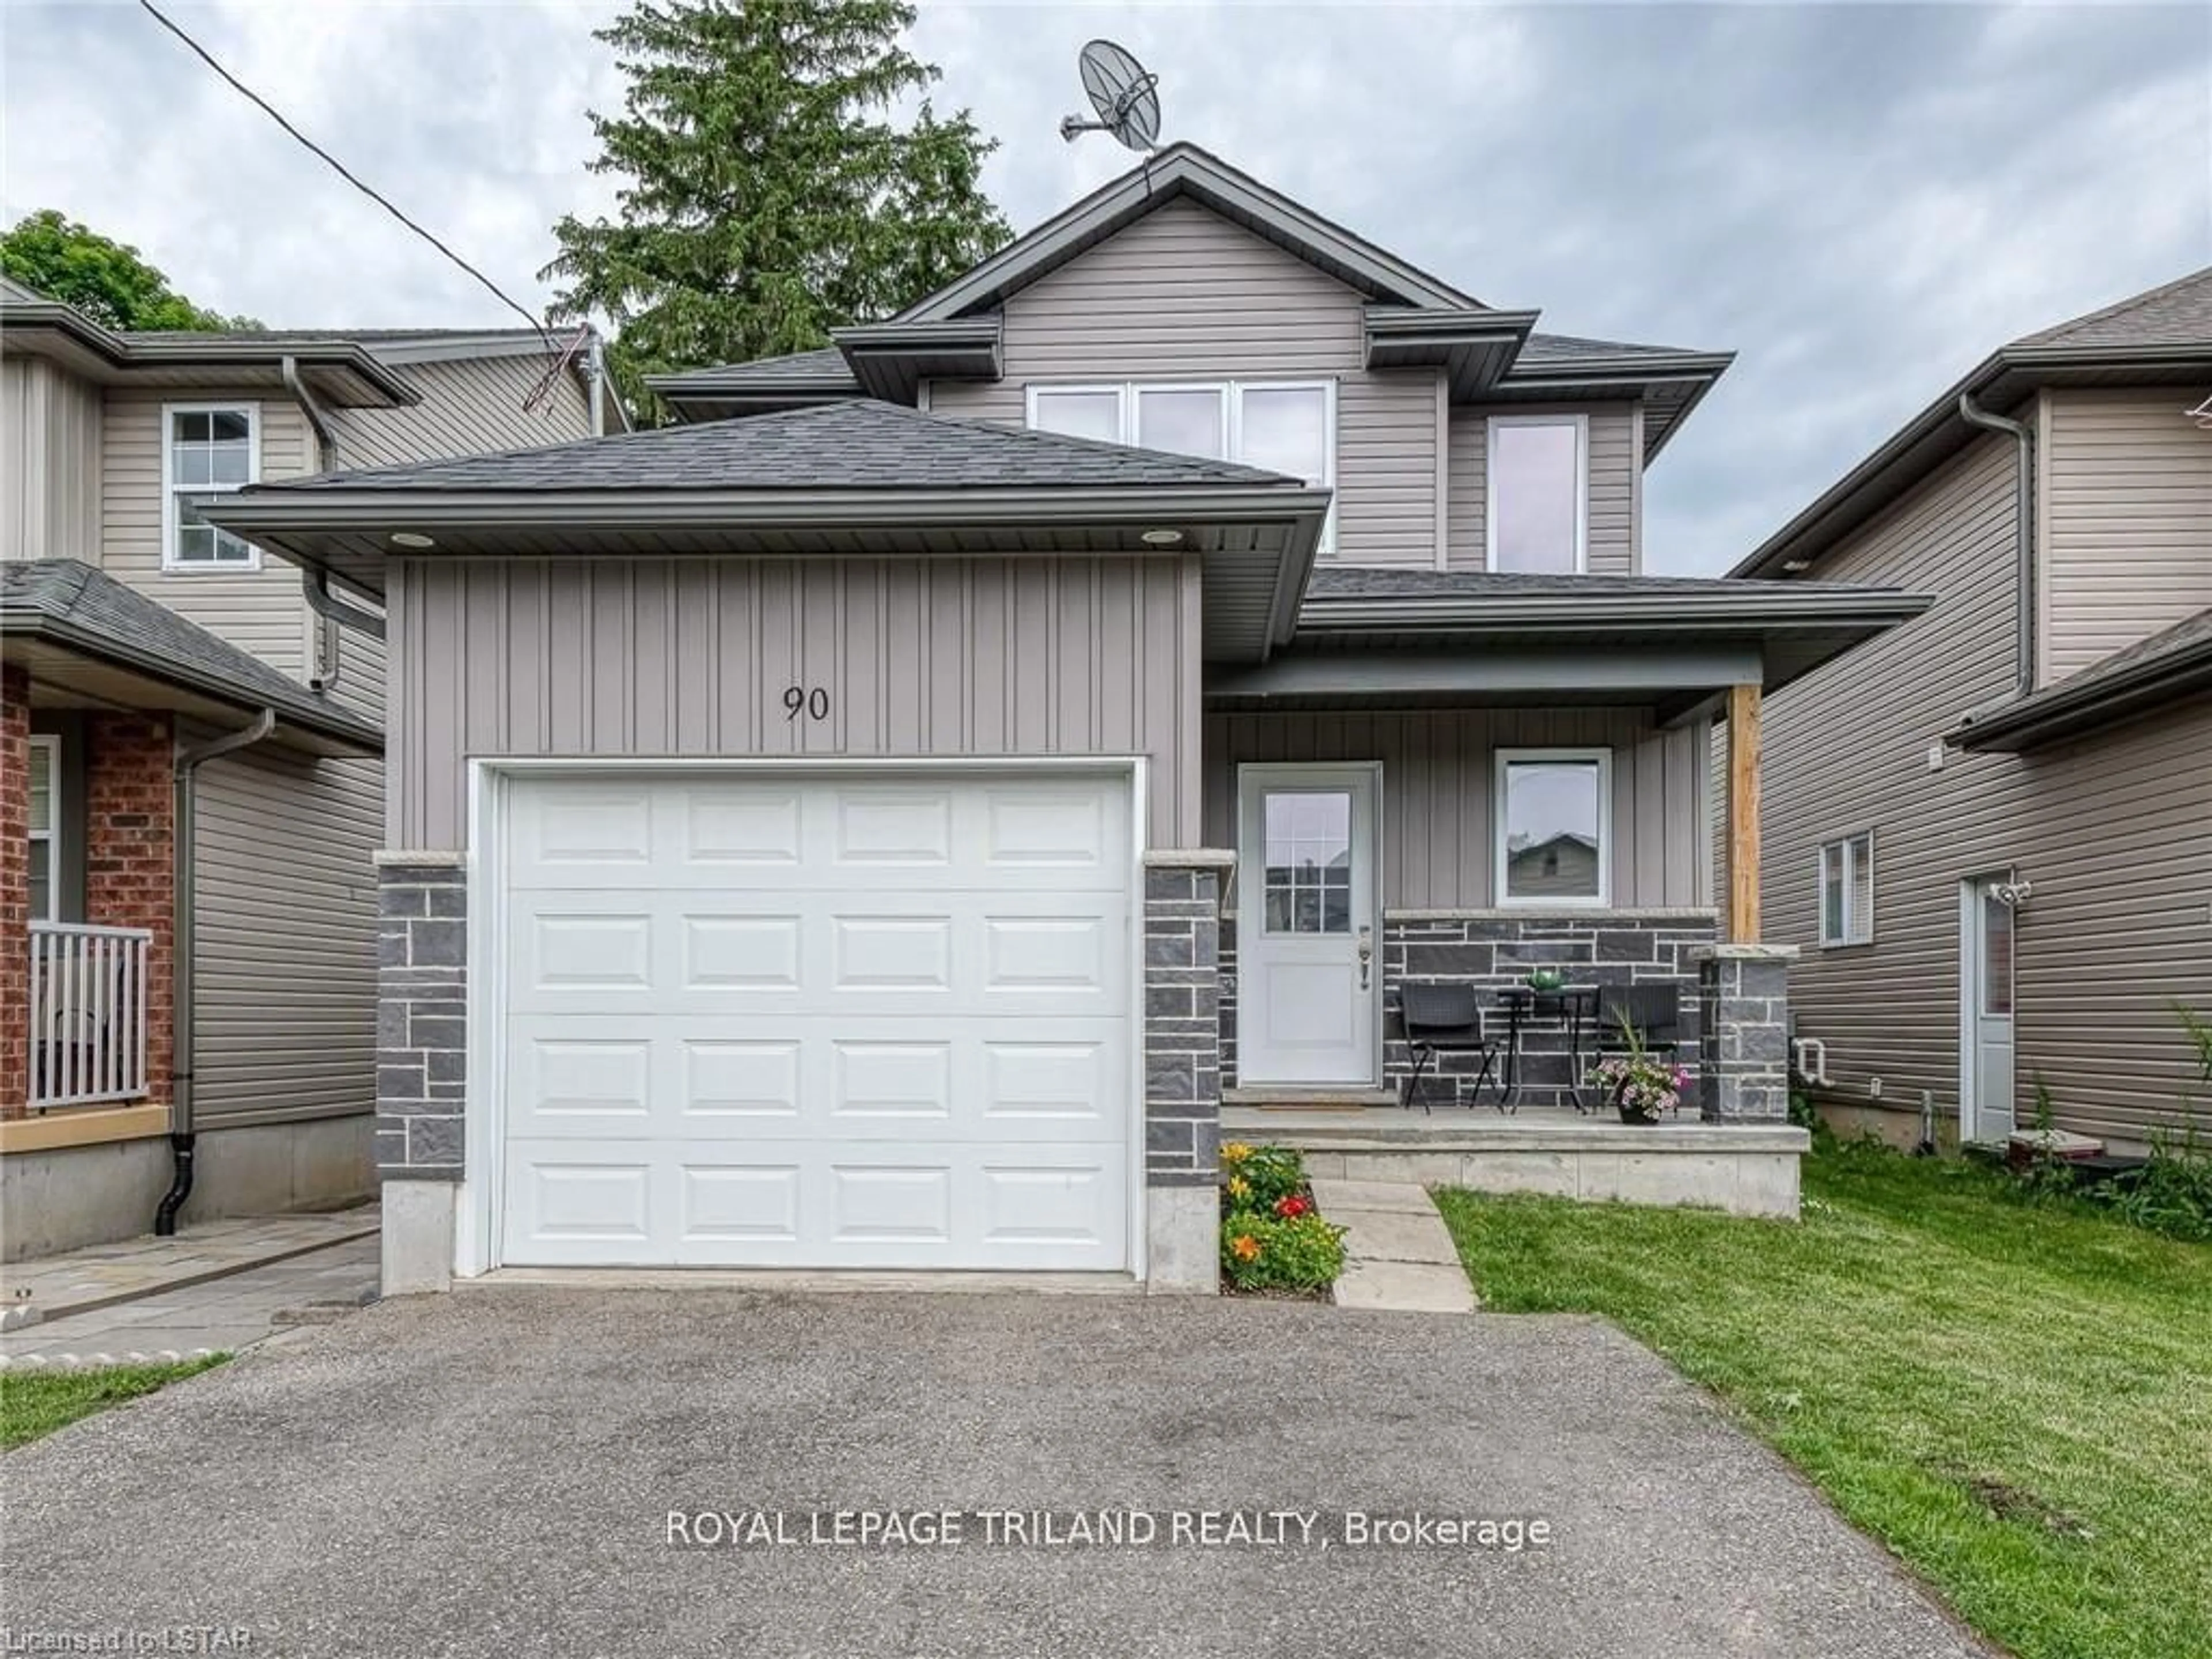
column 493, row 1472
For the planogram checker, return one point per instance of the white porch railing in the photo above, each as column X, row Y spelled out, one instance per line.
column 87, row 1013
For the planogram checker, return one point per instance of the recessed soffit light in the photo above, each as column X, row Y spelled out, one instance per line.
column 1161, row 537
column 412, row 538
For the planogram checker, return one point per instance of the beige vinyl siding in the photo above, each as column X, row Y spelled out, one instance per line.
column 946, row 657
column 2110, row 832
column 470, row 406
column 49, row 462
column 1182, row 295
column 1615, row 484
column 286, row 952
column 258, row 611
column 2127, row 541
column 1438, row 777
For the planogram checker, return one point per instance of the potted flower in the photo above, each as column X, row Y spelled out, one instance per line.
column 1640, row 1084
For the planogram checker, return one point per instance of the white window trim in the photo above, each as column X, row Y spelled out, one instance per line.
column 1232, row 397
column 1581, row 424
column 1853, row 936
column 1507, row 757
column 52, row 834
column 170, row 562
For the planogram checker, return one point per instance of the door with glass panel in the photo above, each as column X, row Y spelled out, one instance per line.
column 1309, row 979
column 1986, row 925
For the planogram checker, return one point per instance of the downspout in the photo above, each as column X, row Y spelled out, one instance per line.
column 316, row 584
column 189, row 760
column 2024, row 532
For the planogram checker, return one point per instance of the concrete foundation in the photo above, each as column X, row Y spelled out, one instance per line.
column 1182, row 1241
column 63, row 1198
column 418, row 1237
column 1744, row 1169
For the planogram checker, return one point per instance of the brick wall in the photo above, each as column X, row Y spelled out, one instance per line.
column 421, row 1016
column 130, row 872
column 15, row 891
column 1183, row 1021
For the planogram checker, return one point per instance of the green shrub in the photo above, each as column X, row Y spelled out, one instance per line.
column 2172, row 1194
column 1262, row 1252
column 1258, row 1178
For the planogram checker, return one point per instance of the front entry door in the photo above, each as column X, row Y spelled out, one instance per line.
column 1308, row 994
column 1985, row 947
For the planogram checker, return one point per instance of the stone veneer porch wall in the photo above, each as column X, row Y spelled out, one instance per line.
column 1495, row 949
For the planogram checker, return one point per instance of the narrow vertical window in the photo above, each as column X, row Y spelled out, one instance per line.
column 1847, row 891
column 46, row 820
column 1538, row 511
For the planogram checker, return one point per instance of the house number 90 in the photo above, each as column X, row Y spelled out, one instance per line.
column 811, row 702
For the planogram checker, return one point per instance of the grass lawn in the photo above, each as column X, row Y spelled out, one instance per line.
column 35, row 1403
column 2017, row 1400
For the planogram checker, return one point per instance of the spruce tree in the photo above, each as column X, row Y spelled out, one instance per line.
column 769, row 192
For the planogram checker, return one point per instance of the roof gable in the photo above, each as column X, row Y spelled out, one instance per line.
column 1184, row 171
column 2176, row 313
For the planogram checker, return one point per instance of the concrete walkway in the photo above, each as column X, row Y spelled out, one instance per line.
column 214, row 1315
column 1397, row 1254
column 218, row 1287
column 103, row 1275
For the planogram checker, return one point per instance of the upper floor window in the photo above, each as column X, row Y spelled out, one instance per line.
column 1538, row 493
column 1847, row 891
column 1284, row 426
column 1553, row 826
column 207, row 449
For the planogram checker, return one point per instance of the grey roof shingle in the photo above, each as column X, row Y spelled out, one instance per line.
column 1558, row 350
column 825, row 370
column 860, row 445
column 2193, row 635
column 2178, row 313
column 139, row 631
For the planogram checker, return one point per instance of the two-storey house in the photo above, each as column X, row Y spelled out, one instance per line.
column 1991, row 832
column 886, row 816
column 192, row 737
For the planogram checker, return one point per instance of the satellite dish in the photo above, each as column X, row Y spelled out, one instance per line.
column 1125, row 95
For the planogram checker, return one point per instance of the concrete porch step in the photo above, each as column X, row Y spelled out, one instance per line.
column 1262, row 1098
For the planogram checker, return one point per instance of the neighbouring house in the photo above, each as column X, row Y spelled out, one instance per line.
column 193, row 782
column 1990, row 831
column 877, row 823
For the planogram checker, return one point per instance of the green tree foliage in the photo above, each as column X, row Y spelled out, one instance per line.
column 769, row 193
column 103, row 278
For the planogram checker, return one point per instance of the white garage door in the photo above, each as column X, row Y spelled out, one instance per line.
column 836, row 1021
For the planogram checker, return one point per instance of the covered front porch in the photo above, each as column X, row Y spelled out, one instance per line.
column 1509, row 789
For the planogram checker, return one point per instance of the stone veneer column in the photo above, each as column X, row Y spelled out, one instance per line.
column 1182, row 1069
column 15, row 891
column 1746, row 991
column 422, row 1062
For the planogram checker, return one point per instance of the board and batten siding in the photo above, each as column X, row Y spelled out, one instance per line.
column 285, row 952
column 256, row 610
column 1184, row 295
column 50, row 462
column 2110, row 832
column 1439, row 777
column 2126, row 497
column 1616, row 545
column 946, row 657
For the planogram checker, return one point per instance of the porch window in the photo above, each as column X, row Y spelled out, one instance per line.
column 209, row 449
column 1538, row 471
column 45, row 823
column 1847, row 891
column 1553, row 818
column 1284, row 426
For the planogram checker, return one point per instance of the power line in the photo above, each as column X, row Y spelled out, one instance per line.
column 341, row 169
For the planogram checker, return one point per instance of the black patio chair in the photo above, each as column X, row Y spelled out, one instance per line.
column 1655, row 1011
column 1439, row 1019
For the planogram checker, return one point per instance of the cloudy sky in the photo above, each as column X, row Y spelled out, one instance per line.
column 1859, row 200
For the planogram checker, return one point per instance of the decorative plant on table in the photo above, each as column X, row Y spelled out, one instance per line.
column 1642, row 1085
column 1547, row 979
column 1273, row 1239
